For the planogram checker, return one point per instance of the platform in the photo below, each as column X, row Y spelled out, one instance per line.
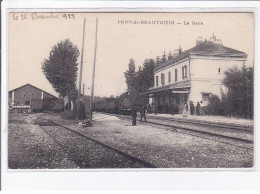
column 208, row 119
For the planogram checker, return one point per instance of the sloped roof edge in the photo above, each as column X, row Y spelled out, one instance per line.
column 34, row 87
column 206, row 48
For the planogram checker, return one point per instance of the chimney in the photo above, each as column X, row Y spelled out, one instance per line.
column 219, row 41
column 212, row 38
column 215, row 40
column 199, row 40
column 180, row 50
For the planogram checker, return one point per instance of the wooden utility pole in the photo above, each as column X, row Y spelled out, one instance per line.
column 93, row 74
column 80, row 74
column 83, row 89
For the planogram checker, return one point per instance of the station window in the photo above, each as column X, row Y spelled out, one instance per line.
column 176, row 75
column 205, row 99
column 169, row 77
column 157, row 81
column 184, row 72
column 219, row 70
column 162, row 79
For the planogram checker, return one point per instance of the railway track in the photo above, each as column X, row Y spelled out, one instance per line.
column 232, row 140
column 207, row 124
column 43, row 122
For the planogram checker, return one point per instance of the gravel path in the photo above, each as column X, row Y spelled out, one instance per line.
column 53, row 147
column 236, row 133
column 29, row 147
column 201, row 131
column 164, row 148
column 87, row 153
column 222, row 131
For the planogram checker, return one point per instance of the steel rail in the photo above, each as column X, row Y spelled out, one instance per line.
column 127, row 155
column 193, row 130
column 203, row 123
column 206, row 123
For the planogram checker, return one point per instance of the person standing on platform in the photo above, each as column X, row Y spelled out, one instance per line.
column 142, row 113
column 185, row 110
column 149, row 108
column 191, row 108
column 172, row 108
column 198, row 108
column 134, row 115
column 153, row 107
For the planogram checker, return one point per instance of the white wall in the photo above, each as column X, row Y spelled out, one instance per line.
column 172, row 70
column 207, row 67
column 203, row 73
column 205, row 76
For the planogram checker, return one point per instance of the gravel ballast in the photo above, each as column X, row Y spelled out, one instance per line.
column 31, row 146
column 164, row 148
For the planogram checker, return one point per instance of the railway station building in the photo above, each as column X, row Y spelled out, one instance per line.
column 194, row 75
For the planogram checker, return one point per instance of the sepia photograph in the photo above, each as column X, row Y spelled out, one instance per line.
column 130, row 90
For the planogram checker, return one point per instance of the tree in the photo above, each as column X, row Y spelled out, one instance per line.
column 158, row 61
column 238, row 100
column 250, row 92
column 170, row 55
column 147, row 74
column 239, row 96
column 130, row 75
column 164, row 59
column 60, row 68
column 140, row 81
column 180, row 50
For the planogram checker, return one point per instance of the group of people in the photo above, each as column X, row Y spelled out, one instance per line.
column 168, row 109
column 148, row 108
column 192, row 108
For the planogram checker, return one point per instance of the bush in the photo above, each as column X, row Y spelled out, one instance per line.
column 215, row 106
column 67, row 114
column 239, row 99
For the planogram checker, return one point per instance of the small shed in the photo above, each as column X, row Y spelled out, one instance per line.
column 28, row 94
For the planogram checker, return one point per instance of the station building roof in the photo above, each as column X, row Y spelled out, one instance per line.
column 205, row 48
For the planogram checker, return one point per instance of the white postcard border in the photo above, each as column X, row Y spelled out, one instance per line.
column 178, row 179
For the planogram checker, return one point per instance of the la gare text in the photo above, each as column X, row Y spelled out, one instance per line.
column 159, row 22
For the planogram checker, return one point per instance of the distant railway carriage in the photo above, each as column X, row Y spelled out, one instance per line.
column 113, row 105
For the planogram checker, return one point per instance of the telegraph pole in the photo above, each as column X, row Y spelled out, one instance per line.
column 93, row 74
column 80, row 74
column 83, row 89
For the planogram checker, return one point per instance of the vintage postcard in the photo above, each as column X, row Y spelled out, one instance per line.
column 139, row 90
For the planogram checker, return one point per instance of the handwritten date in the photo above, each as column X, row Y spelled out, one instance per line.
column 42, row 16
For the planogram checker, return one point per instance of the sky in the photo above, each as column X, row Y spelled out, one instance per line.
column 121, row 36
